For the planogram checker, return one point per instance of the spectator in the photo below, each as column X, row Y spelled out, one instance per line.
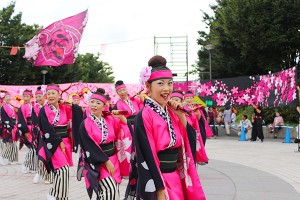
column 211, row 121
column 220, row 118
column 233, row 118
column 247, row 126
column 227, row 119
column 277, row 124
column 257, row 131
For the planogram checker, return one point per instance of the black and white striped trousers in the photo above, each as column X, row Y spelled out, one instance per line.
column 60, row 186
column 10, row 151
column 31, row 160
column 44, row 173
column 109, row 189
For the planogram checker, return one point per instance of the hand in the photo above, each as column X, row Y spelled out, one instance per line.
column 298, row 88
column 27, row 136
column 110, row 167
column 63, row 147
column 161, row 194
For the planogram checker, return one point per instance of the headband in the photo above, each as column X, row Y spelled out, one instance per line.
column 75, row 97
column 176, row 94
column 120, row 86
column 27, row 93
column 188, row 95
column 53, row 87
column 99, row 97
column 39, row 92
column 160, row 74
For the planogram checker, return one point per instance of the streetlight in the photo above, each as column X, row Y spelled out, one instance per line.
column 209, row 47
column 44, row 72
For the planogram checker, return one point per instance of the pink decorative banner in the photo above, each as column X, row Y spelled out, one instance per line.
column 271, row 90
column 58, row 43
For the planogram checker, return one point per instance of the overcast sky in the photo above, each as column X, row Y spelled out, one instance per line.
column 112, row 22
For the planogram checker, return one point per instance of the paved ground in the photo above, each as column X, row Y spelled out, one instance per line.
column 236, row 171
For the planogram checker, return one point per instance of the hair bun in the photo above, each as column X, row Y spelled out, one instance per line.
column 100, row 91
column 157, row 61
column 119, row 82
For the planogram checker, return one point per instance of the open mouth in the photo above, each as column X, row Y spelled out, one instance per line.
column 165, row 96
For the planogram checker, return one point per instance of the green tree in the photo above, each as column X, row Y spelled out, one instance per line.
column 15, row 69
column 251, row 37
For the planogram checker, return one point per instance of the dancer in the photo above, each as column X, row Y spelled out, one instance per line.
column 193, row 119
column 99, row 161
column 162, row 144
column 55, row 146
column 9, row 132
column 27, row 121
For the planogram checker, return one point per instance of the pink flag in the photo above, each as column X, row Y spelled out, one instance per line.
column 58, row 43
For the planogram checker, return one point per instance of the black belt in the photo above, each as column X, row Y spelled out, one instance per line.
column 131, row 119
column 29, row 120
column 62, row 131
column 168, row 160
column 108, row 149
column 13, row 120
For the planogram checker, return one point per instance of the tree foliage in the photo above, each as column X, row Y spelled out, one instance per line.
column 15, row 70
column 251, row 37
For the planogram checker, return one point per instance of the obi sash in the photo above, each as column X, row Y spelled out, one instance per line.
column 108, row 149
column 168, row 160
column 62, row 131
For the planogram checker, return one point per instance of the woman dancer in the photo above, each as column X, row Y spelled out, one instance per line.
column 27, row 121
column 99, row 161
column 166, row 168
column 9, row 132
column 193, row 120
column 55, row 147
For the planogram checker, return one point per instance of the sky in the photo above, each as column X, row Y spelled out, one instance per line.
column 123, row 31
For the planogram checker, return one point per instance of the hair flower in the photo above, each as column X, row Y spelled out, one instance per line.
column 145, row 74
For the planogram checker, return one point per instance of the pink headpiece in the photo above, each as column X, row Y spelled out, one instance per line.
column 75, row 97
column 160, row 74
column 120, row 86
column 188, row 95
column 27, row 93
column 39, row 92
column 53, row 87
column 7, row 93
column 176, row 94
column 99, row 97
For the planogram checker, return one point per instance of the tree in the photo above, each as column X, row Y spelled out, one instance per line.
column 251, row 37
column 87, row 68
column 15, row 69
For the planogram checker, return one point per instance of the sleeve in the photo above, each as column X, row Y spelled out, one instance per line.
column 77, row 118
column 23, row 128
column 49, row 137
column 92, row 156
column 148, row 170
column 191, row 133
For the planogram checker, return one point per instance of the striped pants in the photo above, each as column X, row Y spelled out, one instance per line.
column 43, row 172
column 109, row 189
column 30, row 161
column 10, row 151
column 60, row 187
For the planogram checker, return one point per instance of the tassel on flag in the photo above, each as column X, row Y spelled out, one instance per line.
column 58, row 43
column 14, row 51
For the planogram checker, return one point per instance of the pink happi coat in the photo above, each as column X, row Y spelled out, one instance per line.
column 114, row 127
column 201, row 156
column 59, row 159
column 10, row 111
column 208, row 130
column 136, row 103
column 184, row 182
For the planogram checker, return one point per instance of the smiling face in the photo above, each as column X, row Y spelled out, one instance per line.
column 26, row 98
column 52, row 96
column 123, row 93
column 7, row 98
column 76, row 101
column 96, row 107
column 177, row 99
column 160, row 91
column 40, row 99
column 189, row 100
